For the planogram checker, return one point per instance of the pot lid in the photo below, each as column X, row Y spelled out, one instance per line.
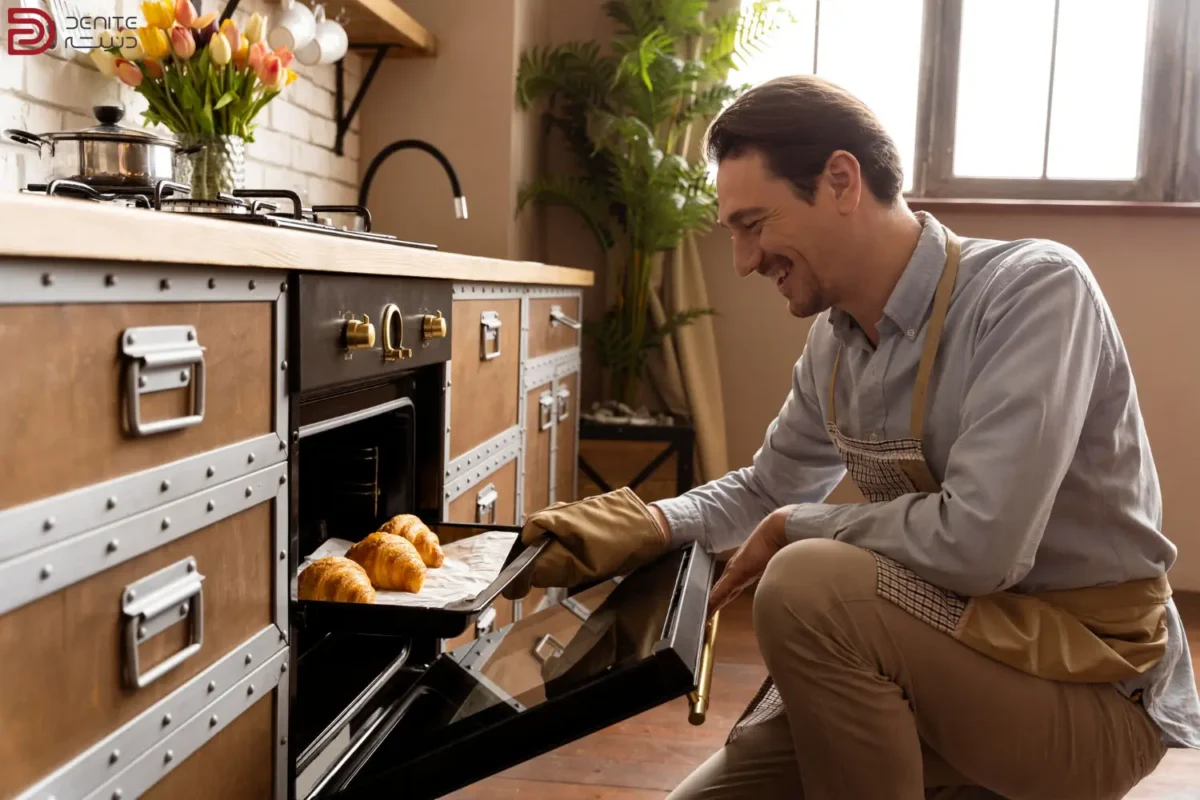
column 108, row 117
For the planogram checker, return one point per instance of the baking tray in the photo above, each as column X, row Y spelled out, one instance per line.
column 409, row 621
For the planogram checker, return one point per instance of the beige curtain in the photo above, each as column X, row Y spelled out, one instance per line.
column 685, row 372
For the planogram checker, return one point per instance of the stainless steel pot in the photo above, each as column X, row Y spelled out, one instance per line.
column 107, row 154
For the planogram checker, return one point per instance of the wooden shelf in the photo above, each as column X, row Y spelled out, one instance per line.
column 378, row 22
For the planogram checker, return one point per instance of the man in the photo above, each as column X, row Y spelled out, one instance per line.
column 995, row 620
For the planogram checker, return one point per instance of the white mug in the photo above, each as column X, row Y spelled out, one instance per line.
column 328, row 45
column 295, row 27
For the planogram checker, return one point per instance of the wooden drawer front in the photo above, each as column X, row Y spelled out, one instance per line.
column 465, row 508
column 62, row 658
column 64, row 428
column 483, row 391
column 547, row 335
column 566, row 427
column 236, row 764
column 536, row 488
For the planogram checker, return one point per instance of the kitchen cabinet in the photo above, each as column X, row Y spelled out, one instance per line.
column 539, row 427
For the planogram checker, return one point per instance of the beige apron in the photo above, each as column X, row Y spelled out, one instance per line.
column 1093, row 635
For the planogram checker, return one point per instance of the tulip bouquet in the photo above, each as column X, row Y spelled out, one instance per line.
column 203, row 83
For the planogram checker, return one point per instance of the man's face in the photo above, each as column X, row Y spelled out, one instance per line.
column 778, row 234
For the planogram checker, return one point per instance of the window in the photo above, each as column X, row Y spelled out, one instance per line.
column 1050, row 99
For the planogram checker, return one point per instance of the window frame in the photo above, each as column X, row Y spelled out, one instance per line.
column 1167, row 107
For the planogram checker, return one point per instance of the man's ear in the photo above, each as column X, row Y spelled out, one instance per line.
column 843, row 177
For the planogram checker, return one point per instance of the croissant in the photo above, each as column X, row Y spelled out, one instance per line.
column 391, row 562
column 335, row 578
column 415, row 531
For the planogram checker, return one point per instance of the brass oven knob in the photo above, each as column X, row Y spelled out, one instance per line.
column 359, row 334
column 434, row 326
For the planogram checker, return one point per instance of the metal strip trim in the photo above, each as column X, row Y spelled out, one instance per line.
column 283, row 764
column 544, row 369
column 446, row 421
column 522, row 421
column 500, row 442
column 355, row 416
column 280, row 599
column 508, row 291
column 43, row 522
column 63, row 281
column 50, row 569
column 95, row 765
column 465, row 481
column 153, row 765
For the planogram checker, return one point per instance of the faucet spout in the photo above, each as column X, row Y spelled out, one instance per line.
column 460, row 200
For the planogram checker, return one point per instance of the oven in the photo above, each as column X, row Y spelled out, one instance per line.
column 378, row 708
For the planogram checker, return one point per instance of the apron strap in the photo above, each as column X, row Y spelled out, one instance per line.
column 933, row 337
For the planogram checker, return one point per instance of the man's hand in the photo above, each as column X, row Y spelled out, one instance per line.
column 750, row 561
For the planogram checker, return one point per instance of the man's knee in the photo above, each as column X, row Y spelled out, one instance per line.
column 807, row 578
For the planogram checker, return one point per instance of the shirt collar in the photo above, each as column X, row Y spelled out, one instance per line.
column 913, row 293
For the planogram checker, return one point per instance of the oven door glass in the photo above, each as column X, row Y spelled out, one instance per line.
column 607, row 654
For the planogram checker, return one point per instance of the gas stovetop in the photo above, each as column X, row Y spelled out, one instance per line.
column 274, row 208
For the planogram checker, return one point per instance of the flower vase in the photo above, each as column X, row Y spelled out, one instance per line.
column 212, row 165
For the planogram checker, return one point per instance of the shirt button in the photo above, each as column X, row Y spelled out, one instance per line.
column 910, row 333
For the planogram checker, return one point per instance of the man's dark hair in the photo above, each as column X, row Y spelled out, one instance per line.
column 797, row 122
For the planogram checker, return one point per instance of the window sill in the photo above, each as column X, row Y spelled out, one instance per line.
column 1093, row 207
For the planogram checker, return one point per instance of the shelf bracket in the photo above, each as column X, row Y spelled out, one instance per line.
column 346, row 116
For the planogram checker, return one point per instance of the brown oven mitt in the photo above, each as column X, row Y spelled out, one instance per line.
column 592, row 540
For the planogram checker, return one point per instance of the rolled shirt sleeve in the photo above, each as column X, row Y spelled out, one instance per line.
column 1039, row 351
column 797, row 463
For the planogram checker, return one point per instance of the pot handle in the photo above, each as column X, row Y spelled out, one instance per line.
column 23, row 137
column 187, row 151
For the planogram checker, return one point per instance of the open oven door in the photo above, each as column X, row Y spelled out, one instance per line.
column 609, row 653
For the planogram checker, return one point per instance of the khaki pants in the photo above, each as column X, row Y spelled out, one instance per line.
column 880, row 705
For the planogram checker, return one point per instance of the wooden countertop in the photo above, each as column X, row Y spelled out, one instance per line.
column 43, row 227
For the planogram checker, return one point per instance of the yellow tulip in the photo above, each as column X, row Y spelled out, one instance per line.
column 155, row 43
column 158, row 13
column 105, row 61
column 256, row 28
column 291, row 76
column 219, row 50
column 131, row 48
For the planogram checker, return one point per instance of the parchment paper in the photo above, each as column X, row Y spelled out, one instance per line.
column 471, row 565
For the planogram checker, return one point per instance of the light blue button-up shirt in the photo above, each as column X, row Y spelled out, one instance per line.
column 1032, row 427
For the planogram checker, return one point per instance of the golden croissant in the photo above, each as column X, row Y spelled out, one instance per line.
column 391, row 562
column 335, row 578
column 415, row 531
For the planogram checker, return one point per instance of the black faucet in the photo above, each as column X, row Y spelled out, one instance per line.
column 460, row 200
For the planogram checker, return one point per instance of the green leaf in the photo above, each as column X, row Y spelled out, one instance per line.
column 225, row 100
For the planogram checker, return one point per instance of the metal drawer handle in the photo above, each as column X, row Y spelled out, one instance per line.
column 557, row 316
column 393, row 317
column 149, row 606
column 485, row 505
column 545, row 411
column 564, row 403
column 489, row 324
column 160, row 358
column 555, row 645
column 486, row 622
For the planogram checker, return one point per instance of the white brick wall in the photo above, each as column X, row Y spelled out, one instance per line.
column 293, row 147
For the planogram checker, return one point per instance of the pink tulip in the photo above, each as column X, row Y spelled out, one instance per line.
column 153, row 68
column 230, row 29
column 269, row 70
column 182, row 43
column 128, row 72
column 258, row 52
column 285, row 56
column 185, row 13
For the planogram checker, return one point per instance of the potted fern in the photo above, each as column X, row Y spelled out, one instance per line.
column 626, row 114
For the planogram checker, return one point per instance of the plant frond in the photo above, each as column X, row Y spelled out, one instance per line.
column 575, row 194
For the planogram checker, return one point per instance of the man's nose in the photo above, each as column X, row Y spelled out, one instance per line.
column 747, row 256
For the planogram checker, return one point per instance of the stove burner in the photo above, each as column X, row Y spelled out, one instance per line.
column 244, row 205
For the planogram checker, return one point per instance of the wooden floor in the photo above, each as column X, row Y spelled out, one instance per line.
column 647, row 756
